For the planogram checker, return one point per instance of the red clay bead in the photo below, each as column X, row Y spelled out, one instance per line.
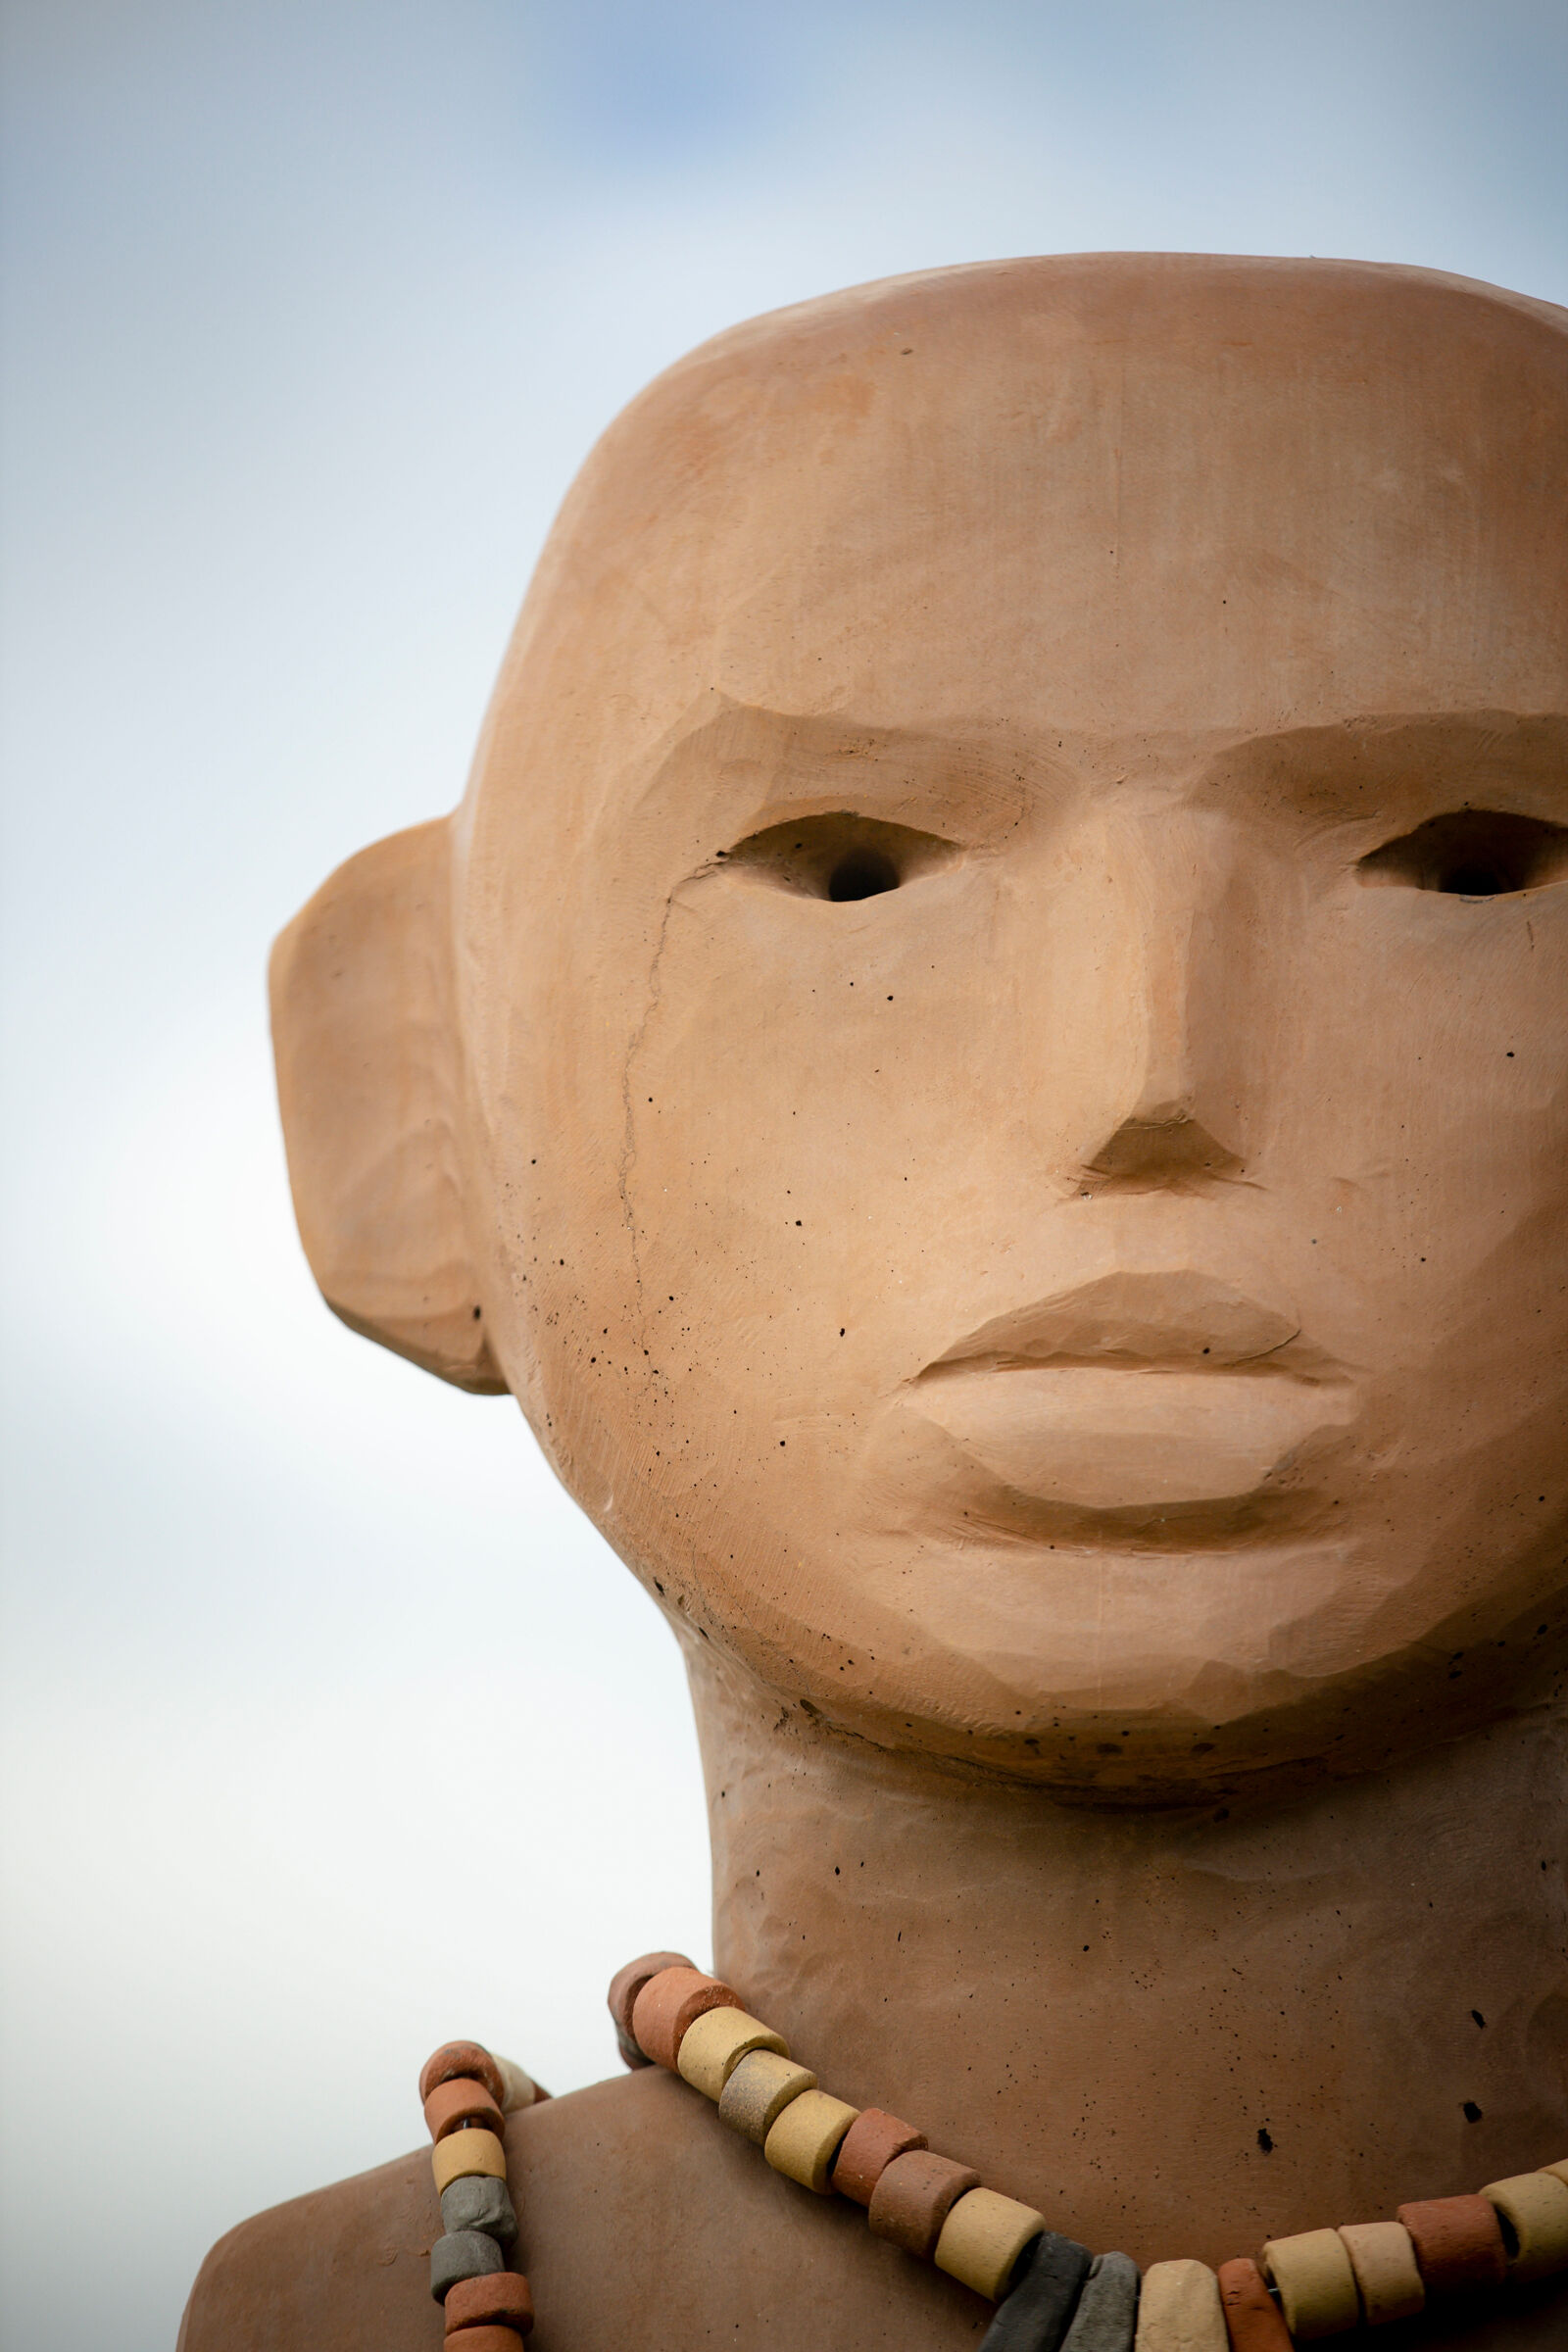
column 465, row 2058
column 870, row 2144
column 1253, row 2318
column 499, row 2300
column 485, row 2339
column 914, row 2196
column 451, row 2105
column 1458, row 2242
column 666, row 2005
column 627, row 1983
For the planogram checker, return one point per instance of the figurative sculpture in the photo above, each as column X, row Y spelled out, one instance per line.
column 985, row 1057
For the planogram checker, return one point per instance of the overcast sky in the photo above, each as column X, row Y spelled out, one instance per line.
column 313, row 309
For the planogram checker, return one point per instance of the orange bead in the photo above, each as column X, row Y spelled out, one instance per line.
column 498, row 2300
column 1458, row 2243
column 627, row 1983
column 1252, row 2315
column 485, row 2339
column 666, row 2005
column 452, row 2106
column 914, row 2195
column 455, row 2058
column 870, row 2144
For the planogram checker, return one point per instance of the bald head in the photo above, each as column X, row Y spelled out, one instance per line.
column 895, row 1095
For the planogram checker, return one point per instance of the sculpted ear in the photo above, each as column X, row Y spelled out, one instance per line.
column 369, row 1066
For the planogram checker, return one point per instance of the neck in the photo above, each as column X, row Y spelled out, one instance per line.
column 1174, row 2033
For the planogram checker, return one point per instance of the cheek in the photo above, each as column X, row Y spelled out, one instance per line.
column 824, row 1101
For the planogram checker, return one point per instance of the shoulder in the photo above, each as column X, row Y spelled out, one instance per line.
column 644, row 2223
column 342, row 2267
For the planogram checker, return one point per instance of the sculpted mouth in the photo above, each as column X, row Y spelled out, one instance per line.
column 1171, row 1396
column 1180, row 1319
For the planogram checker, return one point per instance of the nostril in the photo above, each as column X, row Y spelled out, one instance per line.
column 862, row 873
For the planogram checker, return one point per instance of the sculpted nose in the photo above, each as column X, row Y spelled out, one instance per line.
column 1167, row 1009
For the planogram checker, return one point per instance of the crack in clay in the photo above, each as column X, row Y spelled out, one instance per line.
column 628, row 1147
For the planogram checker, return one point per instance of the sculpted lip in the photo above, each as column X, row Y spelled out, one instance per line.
column 1154, row 1392
column 1181, row 1319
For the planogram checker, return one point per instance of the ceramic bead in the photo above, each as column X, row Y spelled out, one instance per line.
column 1179, row 2310
column 1535, row 2210
column 464, row 2152
column 1383, row 2258
column 1043, row 2295
column 1253, row 2318
column 1558, row 2171
column 627, row 1983
column 453, row 2104
column 872, row 2142
column 759, row 2091
column 476, row 2201
column 667, row 2004
column 1458, row 2243
column 518, row 2088
column 501, row 2300
column 1107, row 2308
column 806, row 2138
column 457, row 2058
column 982, row 2239
column 1315, row 2281
column 915, row 2196
column 715, row 2043
column 462, row 2254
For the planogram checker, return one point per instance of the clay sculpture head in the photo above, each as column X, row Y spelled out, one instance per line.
column 985, row 1052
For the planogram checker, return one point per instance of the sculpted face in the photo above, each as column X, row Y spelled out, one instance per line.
column 1013, row 949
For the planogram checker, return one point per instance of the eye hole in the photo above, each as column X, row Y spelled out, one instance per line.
column 840, row 856
column 1472, row 853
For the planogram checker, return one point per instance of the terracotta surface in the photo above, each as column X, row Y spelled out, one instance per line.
column 984, row 1056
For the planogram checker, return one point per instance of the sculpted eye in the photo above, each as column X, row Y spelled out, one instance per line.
column 840, row 856
column 1472, row 853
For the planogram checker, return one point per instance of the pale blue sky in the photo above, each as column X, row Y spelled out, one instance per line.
column 312, row 312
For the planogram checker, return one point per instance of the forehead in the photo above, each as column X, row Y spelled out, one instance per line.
column 1118, row 497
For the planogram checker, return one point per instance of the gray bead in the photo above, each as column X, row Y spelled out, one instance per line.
column 1106, row 2318
column 462, row 2254
column 1042, row 2298
column 480, row 2203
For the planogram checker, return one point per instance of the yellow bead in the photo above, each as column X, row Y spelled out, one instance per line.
column 1179, row 2310
column 1316, row 2283
column 759, row 2091
column 464, row 2153
column 1383, row 2258
column 715, row 2043
column 1558, row 2171
column 1535, row 2208
column 983, row 2237
column 807, row 2137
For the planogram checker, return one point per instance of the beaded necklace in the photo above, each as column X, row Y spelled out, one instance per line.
column 1053, row 2295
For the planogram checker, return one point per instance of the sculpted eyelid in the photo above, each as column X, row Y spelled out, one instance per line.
column 839, row 855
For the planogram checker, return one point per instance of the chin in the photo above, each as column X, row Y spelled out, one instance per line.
column 1132, row 1674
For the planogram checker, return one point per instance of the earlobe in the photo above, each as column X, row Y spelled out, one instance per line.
column 369, row 1081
